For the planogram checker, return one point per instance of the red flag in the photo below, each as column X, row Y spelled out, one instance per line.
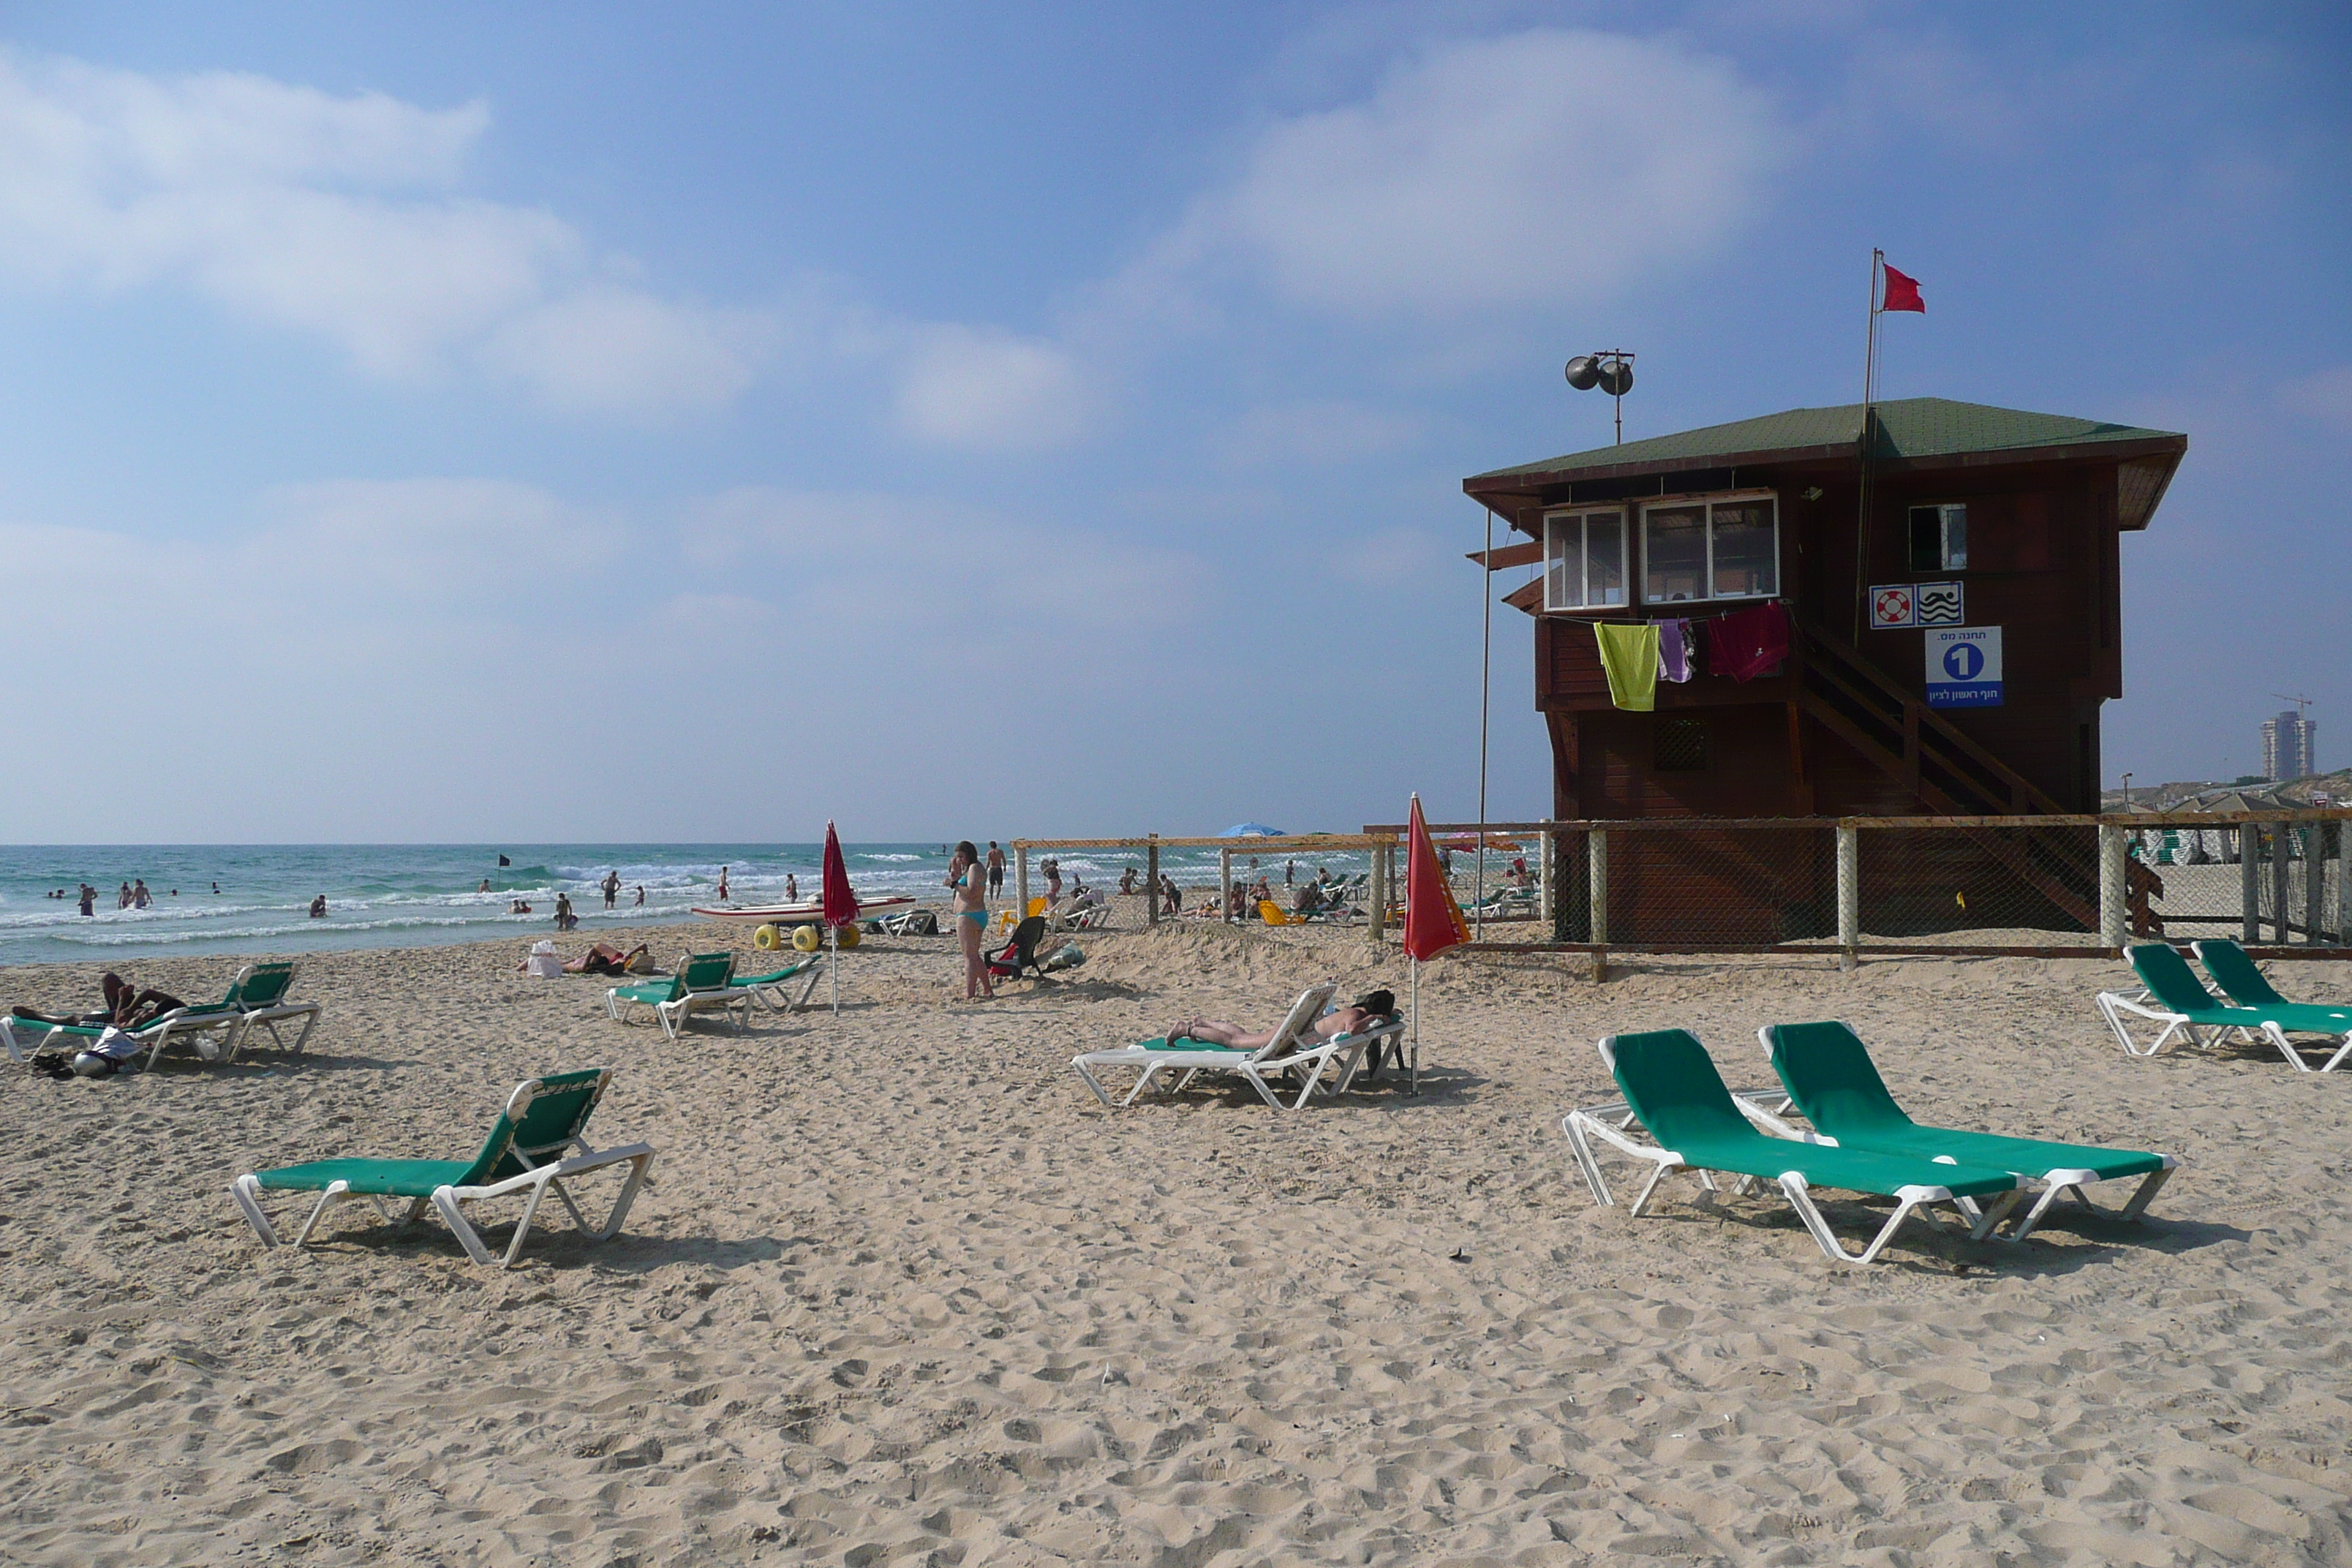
column 1433, row 921
column 1902, row 292
column 840, row 903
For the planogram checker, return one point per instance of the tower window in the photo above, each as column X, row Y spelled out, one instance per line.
column 1939, row 539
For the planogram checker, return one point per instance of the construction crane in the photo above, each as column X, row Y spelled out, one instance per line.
column 2302, row 704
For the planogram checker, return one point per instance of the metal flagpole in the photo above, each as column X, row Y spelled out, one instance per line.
column 1869, row 440
column 1485, row 664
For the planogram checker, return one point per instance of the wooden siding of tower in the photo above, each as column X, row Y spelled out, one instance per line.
column 2050, row 582
column 2043, row 565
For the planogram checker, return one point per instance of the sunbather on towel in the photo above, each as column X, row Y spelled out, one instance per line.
column 1364, row 1011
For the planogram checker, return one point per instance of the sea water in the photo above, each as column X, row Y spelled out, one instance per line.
column 419, row 895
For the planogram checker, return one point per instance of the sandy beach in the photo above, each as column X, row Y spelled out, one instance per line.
column 901, row 1292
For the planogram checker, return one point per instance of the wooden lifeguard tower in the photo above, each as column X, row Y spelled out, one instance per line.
column 1882, row 532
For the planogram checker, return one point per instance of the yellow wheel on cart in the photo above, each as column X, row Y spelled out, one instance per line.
column 766, row 940
column 850, row 937
column 807, row 940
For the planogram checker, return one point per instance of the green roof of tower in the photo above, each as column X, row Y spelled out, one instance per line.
column 1908, row 428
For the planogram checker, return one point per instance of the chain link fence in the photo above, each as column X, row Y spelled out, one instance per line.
column 2034, row 885
column 2278, row 882
column 2023, row 885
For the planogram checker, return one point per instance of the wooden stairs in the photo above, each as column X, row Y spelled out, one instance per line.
column 1948, row 772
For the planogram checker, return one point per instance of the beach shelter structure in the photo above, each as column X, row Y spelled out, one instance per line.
column 1908, row 609
column 1251, row 830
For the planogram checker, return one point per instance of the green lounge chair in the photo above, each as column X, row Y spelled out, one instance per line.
column 2176, row 999
column 1672, row 1088
column 1831, row 1081
column 522, row 1154
column 768, row 990
column 700, row 985
column 257, row 995
column 1189, row 1059
column 2244, row 983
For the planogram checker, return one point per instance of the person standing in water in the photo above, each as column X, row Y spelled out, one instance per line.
column 968, row 905
column 612, row 888
column 792, row 888
column 722, row 884
column 995, row 870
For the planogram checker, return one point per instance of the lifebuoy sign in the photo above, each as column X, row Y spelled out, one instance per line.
column 1963, row 666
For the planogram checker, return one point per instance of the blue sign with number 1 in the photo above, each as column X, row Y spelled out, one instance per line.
column 1964, row 667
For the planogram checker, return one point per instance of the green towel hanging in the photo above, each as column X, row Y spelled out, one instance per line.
column 1629, row 654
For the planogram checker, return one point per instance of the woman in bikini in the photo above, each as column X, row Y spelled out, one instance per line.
column 969, row 904
column 1372, row 1007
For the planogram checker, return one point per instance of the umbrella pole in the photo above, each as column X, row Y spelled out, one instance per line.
column 1414, row 988
column 833, row 964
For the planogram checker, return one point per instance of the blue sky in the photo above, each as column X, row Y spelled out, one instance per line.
column 576, row 423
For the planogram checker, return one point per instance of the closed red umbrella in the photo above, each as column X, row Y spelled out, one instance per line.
column 840, row 907
column 1433, row 921
column 840, row 903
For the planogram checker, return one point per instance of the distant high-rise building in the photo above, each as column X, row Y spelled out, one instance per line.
column 2287, row 745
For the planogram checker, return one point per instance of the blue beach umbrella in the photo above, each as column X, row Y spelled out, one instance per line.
column 1251, row 830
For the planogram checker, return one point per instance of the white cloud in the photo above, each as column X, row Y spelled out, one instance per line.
column 950, row 576
column 339, row 217
column 1394, row 558
column 1541, row 166
column 2324, row 395
column 991, row 391
column 1322, row 433
column 450, row 540
column 609, row 349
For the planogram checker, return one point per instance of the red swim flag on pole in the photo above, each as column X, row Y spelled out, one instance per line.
column 1901, row 292
column 1433, row 921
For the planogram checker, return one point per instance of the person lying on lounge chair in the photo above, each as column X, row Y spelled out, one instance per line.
column 601, row 958
column 126, row 1006
column 1370, row 1008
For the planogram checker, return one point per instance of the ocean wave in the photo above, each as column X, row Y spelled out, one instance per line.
column 88, row 938
column 70, row 915
column 375, row 893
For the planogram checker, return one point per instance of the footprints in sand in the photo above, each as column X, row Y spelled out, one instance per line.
column 902, row 1297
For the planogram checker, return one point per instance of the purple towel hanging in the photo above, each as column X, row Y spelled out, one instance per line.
column 1673, row 651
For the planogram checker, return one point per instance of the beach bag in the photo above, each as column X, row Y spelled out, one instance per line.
column 544, row 963
column 113, row 1049
column 1066, row 956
